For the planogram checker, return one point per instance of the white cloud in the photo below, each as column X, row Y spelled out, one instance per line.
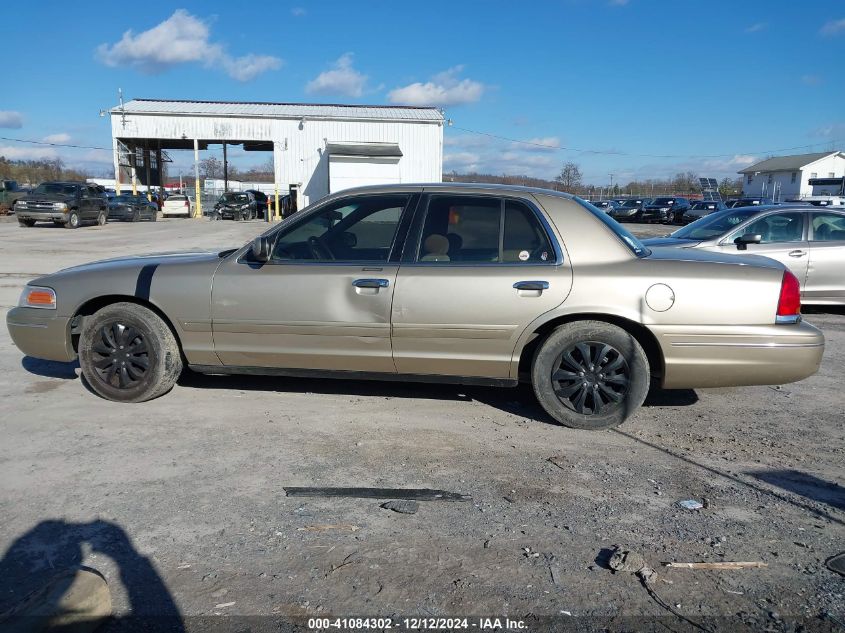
column 541, row 144
column 181, row 39
column 298, row 12
column 444, row 89
column 833, row 27
column 28, row 153
column 248, row 67
column 57, row 138
column 11, row 119
column 832, row 131
column 757, row 27
column 342, row 79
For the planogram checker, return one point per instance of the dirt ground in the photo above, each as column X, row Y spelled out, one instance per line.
column 180, row 502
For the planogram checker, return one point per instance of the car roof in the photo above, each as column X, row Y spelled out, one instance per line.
column 454, row 187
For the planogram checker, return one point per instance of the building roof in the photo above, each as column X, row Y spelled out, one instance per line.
column 786, row 163
column 280, row 110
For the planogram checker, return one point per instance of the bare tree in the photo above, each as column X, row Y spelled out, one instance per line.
column 569, row 178
column 211, row 168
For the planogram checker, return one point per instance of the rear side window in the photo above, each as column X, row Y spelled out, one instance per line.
column 475, row 230
column 828, row 227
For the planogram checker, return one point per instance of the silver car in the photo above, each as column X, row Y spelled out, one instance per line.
column 809, row 241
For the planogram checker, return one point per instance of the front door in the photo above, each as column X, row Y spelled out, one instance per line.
column 323, row 300
column 825, row 279
column 481, row 268
column 783, row 236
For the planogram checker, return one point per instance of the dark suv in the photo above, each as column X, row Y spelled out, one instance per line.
column 666, row 210
column 67, row 204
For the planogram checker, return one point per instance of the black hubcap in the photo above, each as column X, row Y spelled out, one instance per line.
column 590, row 376
column 120, row 355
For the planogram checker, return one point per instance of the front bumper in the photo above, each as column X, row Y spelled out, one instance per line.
column 41, row 334
column 655, row 214
column 41, row 216
column 738, row 355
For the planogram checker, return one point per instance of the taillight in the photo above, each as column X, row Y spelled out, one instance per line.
column 789, row 302
column 186, row 203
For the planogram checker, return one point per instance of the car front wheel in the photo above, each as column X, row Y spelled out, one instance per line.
column 128, row 353
column 26, row 222
column 73, row 220
column 590, row 375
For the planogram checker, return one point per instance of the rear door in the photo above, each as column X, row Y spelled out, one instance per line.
column 476, row 270
column 826, row 269
column 784, row 238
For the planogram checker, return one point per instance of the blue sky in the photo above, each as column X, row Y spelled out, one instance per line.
column 655, row 86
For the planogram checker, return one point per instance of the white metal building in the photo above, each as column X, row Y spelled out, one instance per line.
column 318, row 149
column 787, row 177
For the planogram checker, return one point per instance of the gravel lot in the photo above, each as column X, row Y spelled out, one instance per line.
column 179, row 502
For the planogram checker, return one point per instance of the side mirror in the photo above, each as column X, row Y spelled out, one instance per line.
column 743, row 241
column 261, row 248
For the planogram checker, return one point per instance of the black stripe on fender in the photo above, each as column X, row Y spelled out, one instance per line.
column 145, row 280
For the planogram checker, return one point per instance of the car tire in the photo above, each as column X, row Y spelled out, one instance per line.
column 136, row 216
column 154, row 217
column 580, row 397
column 73, row 220
column 150, row 364
column 102, row 218
column 27, row 223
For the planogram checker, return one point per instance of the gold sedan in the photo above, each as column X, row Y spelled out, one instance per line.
column 472, row 284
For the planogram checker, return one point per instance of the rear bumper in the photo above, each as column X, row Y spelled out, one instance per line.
column 40, row 334
column 734, row 356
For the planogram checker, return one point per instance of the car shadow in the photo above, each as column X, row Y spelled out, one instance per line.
column 50, row 368
column 805, row 485
column 519, row 401
column 42, row 555
column 809, row 310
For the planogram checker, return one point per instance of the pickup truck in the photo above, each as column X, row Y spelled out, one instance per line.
column 67, row 204
column 9, row 194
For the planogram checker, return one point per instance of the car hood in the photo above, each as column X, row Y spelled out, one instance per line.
column 128, row 264
column 658, row 242
column 47, row 197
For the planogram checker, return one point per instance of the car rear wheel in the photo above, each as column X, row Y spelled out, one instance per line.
column 128, row 353
column 590, row 375
column 29, row 223
column 102, row 218
column 73, row 220
column 136, row 216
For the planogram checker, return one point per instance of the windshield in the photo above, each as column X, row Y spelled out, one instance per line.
column 48, row 188
column 713, row 225
column 704, row 205
column 632, row 203
column 240, row 198
column 125, row 198
column 664, row 201
column 621, row 232
column 177, row 198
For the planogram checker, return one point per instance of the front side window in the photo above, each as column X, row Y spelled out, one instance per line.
column 469, row 229
column 359, row 229
column 777, row 227
column 828, row 227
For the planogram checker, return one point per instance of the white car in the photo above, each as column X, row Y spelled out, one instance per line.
column 178, row 206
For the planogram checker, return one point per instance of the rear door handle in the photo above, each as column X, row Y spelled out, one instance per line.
column 371, row 283
column 797, row 253
column 531, row 285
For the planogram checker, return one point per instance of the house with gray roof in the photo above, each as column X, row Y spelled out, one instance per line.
column 787, row 177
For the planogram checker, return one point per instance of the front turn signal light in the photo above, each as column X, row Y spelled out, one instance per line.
column 37, row 297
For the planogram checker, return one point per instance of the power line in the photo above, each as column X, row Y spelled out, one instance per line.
column 621, row 153
column 31, row 142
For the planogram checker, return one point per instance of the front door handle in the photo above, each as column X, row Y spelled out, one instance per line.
column 371, row 283
column 797, row 253
column 531, row 285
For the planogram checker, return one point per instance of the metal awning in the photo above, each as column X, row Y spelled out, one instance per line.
column 364, row 150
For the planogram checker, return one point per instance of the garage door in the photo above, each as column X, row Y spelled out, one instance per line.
column 358, row 171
